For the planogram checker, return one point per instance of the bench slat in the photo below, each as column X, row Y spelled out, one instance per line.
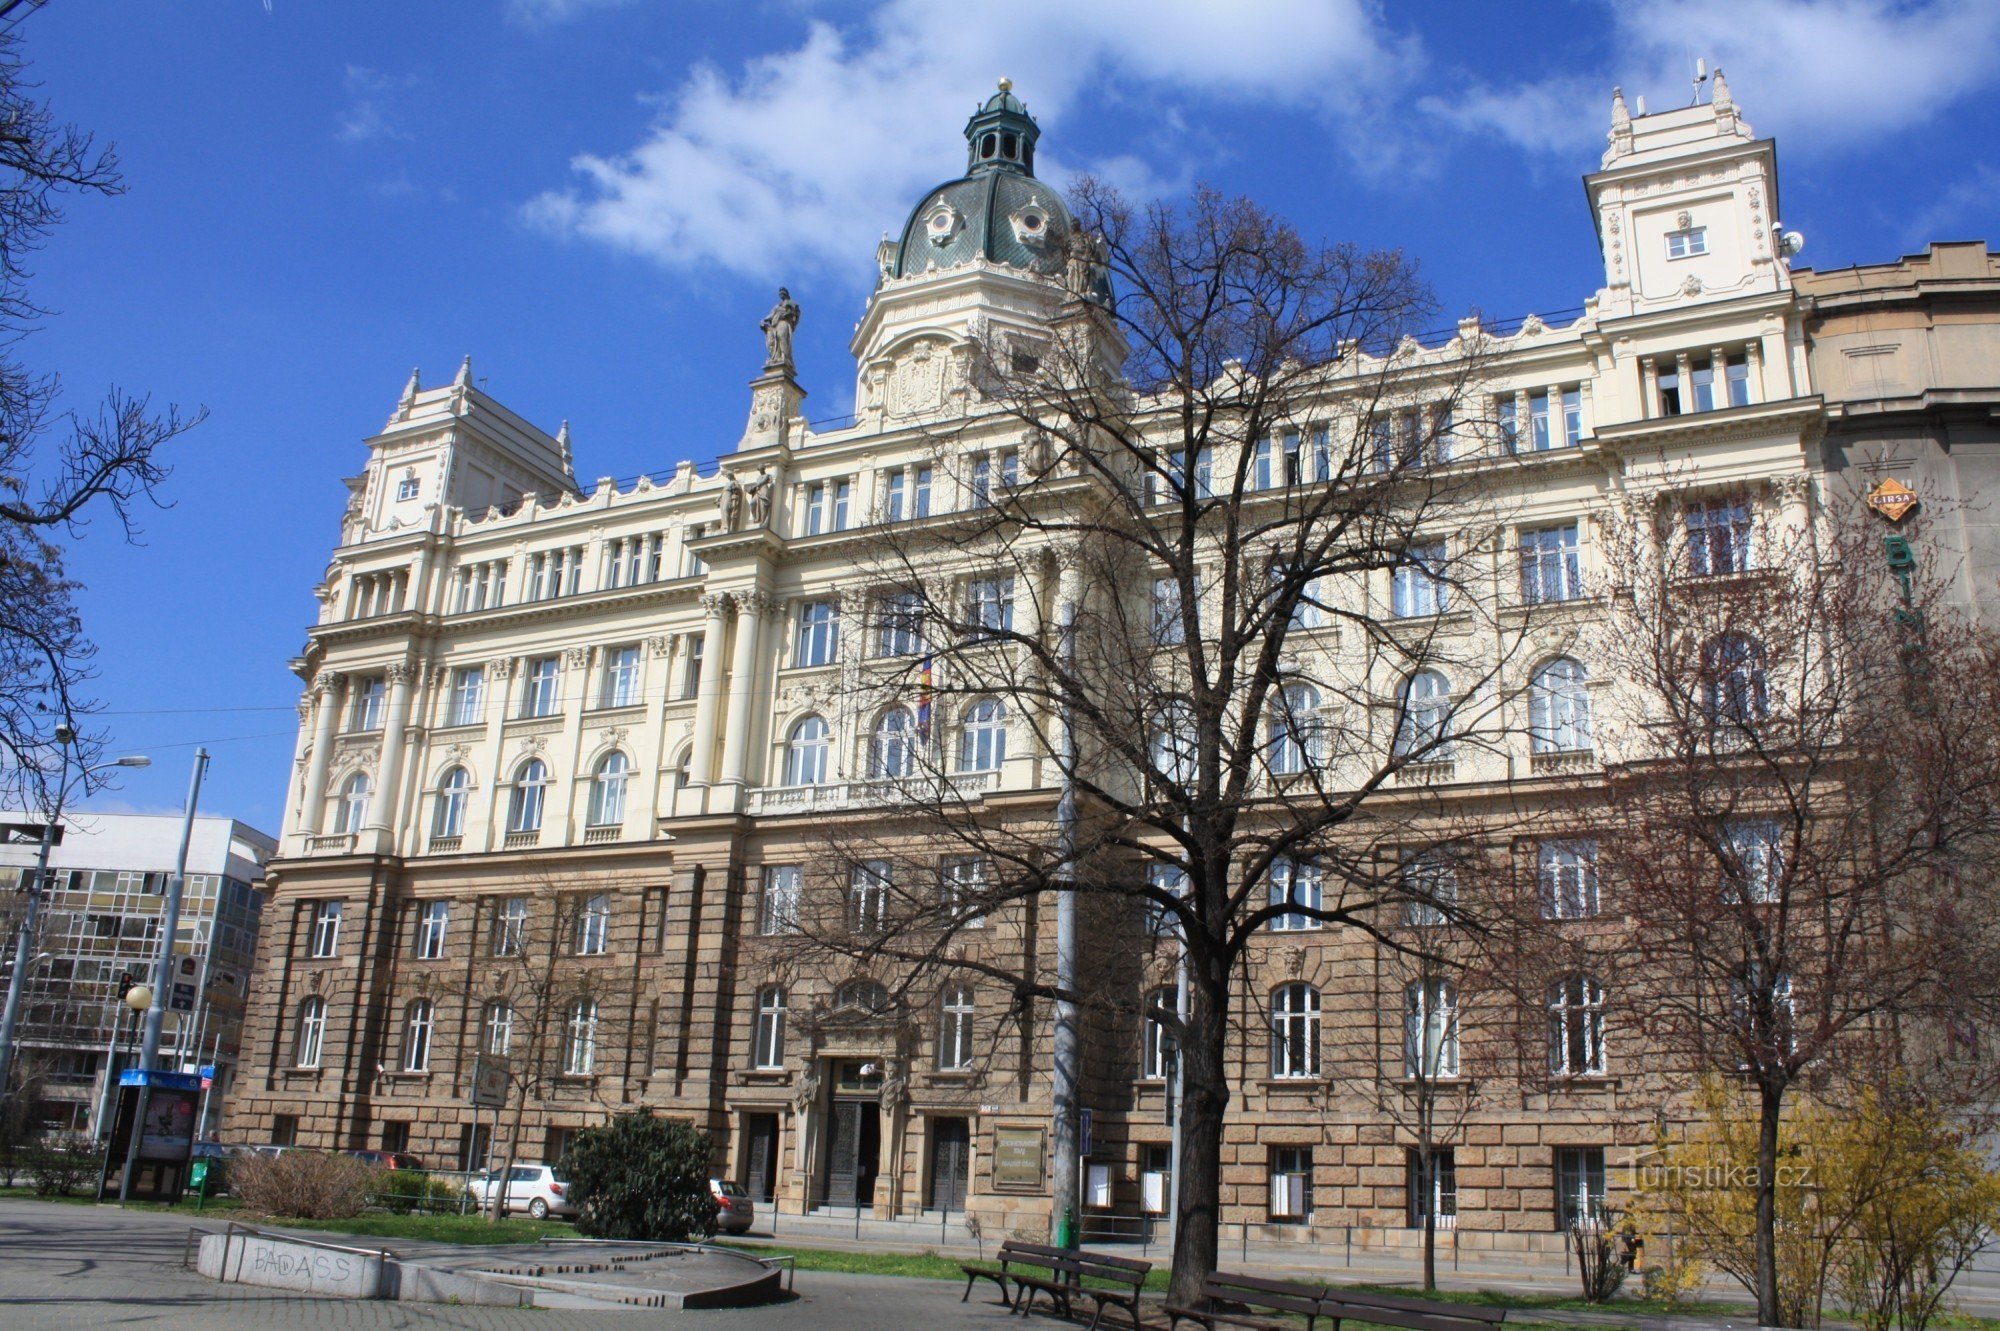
column 1432, row 1307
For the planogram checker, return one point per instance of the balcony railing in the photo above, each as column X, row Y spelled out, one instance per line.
column 445, row 845
column 521, row 840
column 330, row 843
column 597, row 836
column 1562, row 760
column 864, row 794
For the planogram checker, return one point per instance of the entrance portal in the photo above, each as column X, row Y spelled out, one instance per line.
column 853, row 1152
column 760, row 1156
column 951, row 1161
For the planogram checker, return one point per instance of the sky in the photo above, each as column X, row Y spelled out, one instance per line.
column 596, row 200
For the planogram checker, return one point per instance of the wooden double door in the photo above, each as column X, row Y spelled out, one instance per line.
column 951, row 1163
column 853, row 1152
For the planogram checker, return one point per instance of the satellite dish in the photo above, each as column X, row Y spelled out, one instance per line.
column 1790, row 243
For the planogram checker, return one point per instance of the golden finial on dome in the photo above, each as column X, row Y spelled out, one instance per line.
column 1006, row 85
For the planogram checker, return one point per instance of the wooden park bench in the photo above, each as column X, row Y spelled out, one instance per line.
column 1250, row 1301
column 1341, row 1303
column 1036, row 1268
column 1016, row 1259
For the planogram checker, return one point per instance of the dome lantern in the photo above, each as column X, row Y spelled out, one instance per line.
column 1001, row 135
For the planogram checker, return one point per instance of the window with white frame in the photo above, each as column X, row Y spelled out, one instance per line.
column 1307, row 611
column 1267, row 466
column 1687, row 242
column 989, row 607
column 769, row 1050
column 892, row 750
column 496, row 1029
column 1754, row 867
column 510, row 927
column 954, row 1049
column 1579, row 1184
column 371, row 693
column 418, row 1019
column 1291, row 1185
column 920, row 493
column 1734, row 684
column 1719, row 537
column 1418, row 585
column 868, row 897
column 778, row 909
column 352, row 814
column 1423, row 724
column 621, row 677
column 1172, row 880
column 539, row 692
column 432, row 919
column 1175, row 747
column 1185, row 482
column 580, row 1039
column 808, row 751
column 962, row 890
column 1431, row 1187
column 1169, row 624
column 1559, row 707
column 607, row 789
column 1507, row 411
column 983, row 738
column 1296, row 888
column 1430, row 1029
column 697, row 646
column 309, row 1033
column 899, row 620
column 1566, row 872
column 1430, row 885
column 1157, row 1048
column 448, row 817
column 1763, row 1013
column 407, row 489
column 325, row 928
column 1576, row 1027
column 468, row 696
column 1294, row 730
column 592, row 931
column 819, row 634
column 1295, row 1031
column 527, row 797
column 1550, row 570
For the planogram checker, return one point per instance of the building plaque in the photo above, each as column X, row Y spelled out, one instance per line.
column 1892, row 499
column 1017, row 1158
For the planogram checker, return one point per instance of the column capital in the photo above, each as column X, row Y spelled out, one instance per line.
column 326, row 681
column 716, row 604
column 402, row 672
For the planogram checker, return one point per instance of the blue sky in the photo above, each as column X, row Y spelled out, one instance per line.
column 597, row 198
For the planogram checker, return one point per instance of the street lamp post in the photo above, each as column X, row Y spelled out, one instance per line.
column 108, row 1101
column 31, row 914
column 138, row 998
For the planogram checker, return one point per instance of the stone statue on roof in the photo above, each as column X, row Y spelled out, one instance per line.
column 778, row 326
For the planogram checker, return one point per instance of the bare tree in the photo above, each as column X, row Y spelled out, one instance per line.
column 1805, row 823
column 1169, row 594
column 106, row 460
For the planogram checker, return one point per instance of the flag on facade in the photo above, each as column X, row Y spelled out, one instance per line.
column 924, row 700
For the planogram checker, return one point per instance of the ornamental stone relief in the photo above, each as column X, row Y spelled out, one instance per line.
column 916, row 384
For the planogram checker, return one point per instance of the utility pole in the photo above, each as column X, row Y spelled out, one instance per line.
column 163, row 976
column 1063, row 1194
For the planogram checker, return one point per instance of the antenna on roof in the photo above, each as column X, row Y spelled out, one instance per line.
column 1700, row 77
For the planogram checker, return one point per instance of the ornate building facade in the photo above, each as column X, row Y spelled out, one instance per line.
column 609, row 724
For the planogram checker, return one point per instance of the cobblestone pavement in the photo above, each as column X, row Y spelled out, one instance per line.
column 86, row 1266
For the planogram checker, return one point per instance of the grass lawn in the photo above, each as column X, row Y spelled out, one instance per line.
column 469, row 1229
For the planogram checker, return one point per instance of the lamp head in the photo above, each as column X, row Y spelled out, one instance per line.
column 134, row 760
column 65, row 735
column 139, row 997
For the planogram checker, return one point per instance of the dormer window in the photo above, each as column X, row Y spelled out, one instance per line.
column 407, row 487
column 1687, row 242
column 942, row 224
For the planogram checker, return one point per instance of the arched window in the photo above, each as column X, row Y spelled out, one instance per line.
column 1157, row 1050
column 1175, row 748
column 580, row 1039
column 1295, row 1031
column 862, row 995
column 1576, row 1027
column 1295, row 730
column 954, row 1048
column 770, row 1051
column 309, row 1035
column 983, row 745
column 806, row 751
column 496, row 1029
column 448, row 819
column 1733, row 681
column 1559, row 707
column 1430, row 1029
column 525, row 800
column 893, row 751
column 417, row 1022
column 353, row 813
column 681, row 765
column 1423, row 722
column 607, row 790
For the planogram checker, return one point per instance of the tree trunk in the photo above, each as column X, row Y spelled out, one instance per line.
column 1204, row 1101
column 1770, row 1105
column 496, row 1201
column 1427, row 1170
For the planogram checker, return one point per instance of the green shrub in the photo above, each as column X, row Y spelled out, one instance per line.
column 60, row 1165
column 641, row 1177
column 405, row 1190
column 306, row 1184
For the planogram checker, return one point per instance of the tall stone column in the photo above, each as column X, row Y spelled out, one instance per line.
column 751, row 607
column 389, row 775
column 312, row 805
column 708, row 689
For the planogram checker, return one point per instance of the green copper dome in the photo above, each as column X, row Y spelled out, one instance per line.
column 997, row 211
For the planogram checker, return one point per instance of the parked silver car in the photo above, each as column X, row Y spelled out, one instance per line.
column 734, row 1210
column 540, row 1190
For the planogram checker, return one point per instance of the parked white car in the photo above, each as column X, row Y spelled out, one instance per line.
column 540, row 1190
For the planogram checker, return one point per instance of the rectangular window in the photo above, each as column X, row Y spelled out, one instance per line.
column 592, row 934
column 778, row 909
column 961, row 890
column 1264, row 465
column 1567, row 874
column 982, row 479
column 1419, row 587
column 843, row 497
column 819, row 634
column 1169, row 630
column 1755, row 867
column 1701, row 379
column 1294, row 884
column 1549, row 568
column 1538, row 422
column 920, row 494
column 468, row 695
column 1687, row 243
column 1171, row 879
column 1579, row 1184
column 621, row 677
column 510, row 927
column 691, row 669
column 899, row 619
column 895, row 500
column 1737, row 372
column 284, row 1129
column 696, row 565
column 1291, row 1185
column 1183, row 483
column 816, row 508
column 539, row 692
column 370, row 692
column 1670, row 388
column 1431, row 886
column 432, row 918
column 325, row 928
column 868, row 897
column 1432, row 1191
column 1572, row 410
column 1719, row 538
column 991, row 609
column 1508, row 412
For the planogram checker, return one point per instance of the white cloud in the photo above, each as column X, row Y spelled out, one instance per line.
column 802, row 157
column 1965, row 211
column 370, row 110
column 1832, row 72
column 546, row 13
